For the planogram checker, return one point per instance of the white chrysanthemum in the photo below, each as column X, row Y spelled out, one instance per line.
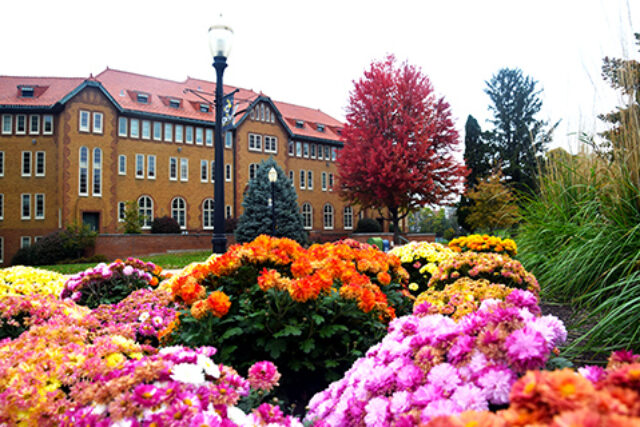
column 144, row 316
column 188, row 373
column 236, row 415
column 209, row 367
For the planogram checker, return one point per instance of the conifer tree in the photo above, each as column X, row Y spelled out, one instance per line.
column 256, row 218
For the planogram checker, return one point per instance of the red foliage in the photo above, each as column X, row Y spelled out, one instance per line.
column 399, row 142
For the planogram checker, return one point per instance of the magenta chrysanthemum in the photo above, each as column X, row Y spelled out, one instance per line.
column 263, row 375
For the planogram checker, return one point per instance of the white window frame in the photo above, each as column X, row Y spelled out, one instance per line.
column 122, row 208
column 227, row 172
column 298, row 149
column 255, row 142
column 228, row 139
column 328, row 214
column 24, row 124
column 270, row 144
column 29, row 155
column 253, row 168
column 152, row 166
column 305, row 150
column 96, row 172
column 204, row 171
column 139, row 172
column 207, row 214
column 99, row 118
column 346, row 215
column 43, row 155
column 173, row 174
column 83, row 168
column 292, row 175
column 168, row 132
column 122, row 164
column 179, row 134
column 208, row 137
column 320, row 148
column 38, row 198
column 291, row 148
column 146, row 219
column 199, row 136
column 213, row 170
column 157, row 131
column 145, row 131
column 1, row 206
column 34, row 119
column 184, row 169
column 1, row 163
column 304, row 216
column 188, row 134
column 7, row 119
column 313, row 151
column 309, row 180
column 324, row 181
column 227, row 212
column 181, row 212
column 135, row 134
column 327, row 153
column 25, row 197
column 330, row 182
column 84, row 114
column 123, row 126
column 303, row 179
column 24, row 239
column 334, row 154
column 47, row 118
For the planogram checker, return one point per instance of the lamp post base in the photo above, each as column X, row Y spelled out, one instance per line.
column 219, row 243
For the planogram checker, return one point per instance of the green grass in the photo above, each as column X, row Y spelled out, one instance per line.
column 166, row 261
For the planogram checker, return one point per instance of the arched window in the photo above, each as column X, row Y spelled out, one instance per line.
column 307, row 216
column 97, row 172
column 179, row 211
column 348, row 218
column 207, row 214
column 145, row 209
column 328, row 217
column 83, row 172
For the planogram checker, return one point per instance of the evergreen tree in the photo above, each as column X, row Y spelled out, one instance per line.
column 256, row 217
column 518, row 137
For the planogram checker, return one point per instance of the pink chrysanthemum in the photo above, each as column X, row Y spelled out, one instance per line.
column 496, row 383
column 470, row 398
column 445, row 376
column 147, row 395
column 592, row 373
column 526, row 349
column 377, row 412
column 263, row 375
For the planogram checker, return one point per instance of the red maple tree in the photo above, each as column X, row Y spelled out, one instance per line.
column 399, row 144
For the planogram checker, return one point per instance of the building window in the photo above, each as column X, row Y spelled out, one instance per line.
column 227, row 172
column 179, row 211
column 135, row 128
column 47, row 124
column 324, row 181
column 184, row 169
column 290, row 148
column 1, row 163
column 208, row 135
column 319, row 152
column 97, row 122
column 348, row 218
column 1, row 249
column 299, row 124
column 140, row 166
column 168, row 132
column 309, row 180
column 305, row 151
column 307, row 216
column 25, row 242
column 207, row 214
column 97, row 172
column 39, row 202
column 204, row 168
column 1, row 206
column 179, row 133
column 303, row 179
column 334, row 154
column 122, row 164
column 228, row 211
column 83, row 172
column 21, row 124
column 291, row 175
column 253, row 167
column 228, row 140
column 40, row 163
column 328, row 217
column 174, row 103
column 326, row 152
column 199, row 136
column 330, row 182
column 313, row 151
column 84, row 121
column 142, row 98
column 146, row 129
column 188, row 138
column 34, row 125
column 255, row 142
column 151, row 166
column 6, row 124
column 213, row 171
column 145, row 210
column 298, row 149
column 262, row 112
column 26, row 163
column 204, row 108
column 122, row 126
column 270, row 144
column 25, row 212
column 157, row 131
column 122, row 211
column 173, row 169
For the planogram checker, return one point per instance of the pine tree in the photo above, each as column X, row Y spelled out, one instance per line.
column 256, row 218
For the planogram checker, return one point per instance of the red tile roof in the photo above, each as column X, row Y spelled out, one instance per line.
column 124, row 87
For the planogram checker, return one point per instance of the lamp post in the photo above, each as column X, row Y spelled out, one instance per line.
column 273, row 177
column 220, row 46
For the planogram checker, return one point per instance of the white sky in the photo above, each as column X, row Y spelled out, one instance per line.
column 309, row 53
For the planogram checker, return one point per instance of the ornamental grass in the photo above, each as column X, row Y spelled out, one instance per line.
column 484, row 243
column 312, row 311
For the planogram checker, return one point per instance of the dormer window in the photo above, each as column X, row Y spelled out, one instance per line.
column 142, row 98
column 26, row 91
column 320, row 128
column 204, row 108
column 299, row 124
column 174, row 103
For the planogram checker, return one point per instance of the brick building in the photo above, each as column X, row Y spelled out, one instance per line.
column 74, row 150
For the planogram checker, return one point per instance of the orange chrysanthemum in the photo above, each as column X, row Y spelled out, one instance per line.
column 303, row 290
column 384, row 278
column 218, row 303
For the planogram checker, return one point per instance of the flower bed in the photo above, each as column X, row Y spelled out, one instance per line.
column 421, row 260
column 484, row 243
column 22, row 280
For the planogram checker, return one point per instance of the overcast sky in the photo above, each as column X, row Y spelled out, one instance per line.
column 309, row 53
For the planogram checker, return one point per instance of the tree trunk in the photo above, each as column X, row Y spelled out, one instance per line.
column 396, row 226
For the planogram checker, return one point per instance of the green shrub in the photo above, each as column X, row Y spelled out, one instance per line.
column 72, row 243
column 165, row 225
column 368, row 225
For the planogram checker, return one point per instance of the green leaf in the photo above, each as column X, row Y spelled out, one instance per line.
column 331, row 330
column 275, row 348
column 330, row 363
column 317, row 318
column 307, row 345
column 231, row 332
column 287, row 331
